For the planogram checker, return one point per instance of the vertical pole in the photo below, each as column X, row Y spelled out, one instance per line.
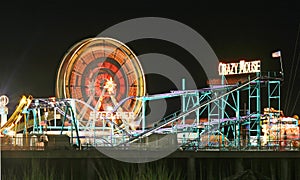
column 279, row 107
column 54, row 116
column 209, row 120
column 143, row 114
column 249, row 126
column 198, row 110
column 72, row 124
column 34, row 111
column 34, row 120
column 258, row 109
column 198, row 119
column 223, row 99
column 270, row 115
column 112, row 134
column 269, row 94
column 39, row 117
column 222, row 113
column 183, row 101
column 94, row 128
column 25, row 128
column 238, row 119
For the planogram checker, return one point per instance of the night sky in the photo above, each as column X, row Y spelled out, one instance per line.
column 34, row 38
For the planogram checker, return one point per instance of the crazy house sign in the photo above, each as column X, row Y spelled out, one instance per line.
column 242, row 67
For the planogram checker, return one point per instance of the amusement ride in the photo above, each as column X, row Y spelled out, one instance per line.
column 101, row 101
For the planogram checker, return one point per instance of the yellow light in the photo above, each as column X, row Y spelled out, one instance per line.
column 23, row 100
column 110, row 86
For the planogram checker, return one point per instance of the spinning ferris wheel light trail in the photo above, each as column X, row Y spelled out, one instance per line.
column 102, row 72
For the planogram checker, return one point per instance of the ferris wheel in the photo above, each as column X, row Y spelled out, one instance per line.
column 102, row 72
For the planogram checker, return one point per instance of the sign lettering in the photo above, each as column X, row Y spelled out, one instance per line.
column 242, row 67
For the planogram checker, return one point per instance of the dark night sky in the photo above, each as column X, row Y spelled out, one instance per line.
column 34, row 37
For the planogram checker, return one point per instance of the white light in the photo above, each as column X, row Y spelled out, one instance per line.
column 109, row 108
column 110, row 86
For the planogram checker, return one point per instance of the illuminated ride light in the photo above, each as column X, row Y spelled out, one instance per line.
column 101, row 72
column 110, row 86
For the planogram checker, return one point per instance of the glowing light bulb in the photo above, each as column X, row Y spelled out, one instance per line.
column 110, row 86
column 109, row 108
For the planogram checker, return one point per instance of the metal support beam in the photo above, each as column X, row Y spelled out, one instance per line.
column 254, row 104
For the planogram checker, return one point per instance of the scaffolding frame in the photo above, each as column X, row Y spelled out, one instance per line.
column 254, row 106
column 274, row 102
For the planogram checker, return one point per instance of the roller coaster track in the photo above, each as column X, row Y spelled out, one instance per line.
column 183, row 114
column 26, row 103
column 17, row 115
